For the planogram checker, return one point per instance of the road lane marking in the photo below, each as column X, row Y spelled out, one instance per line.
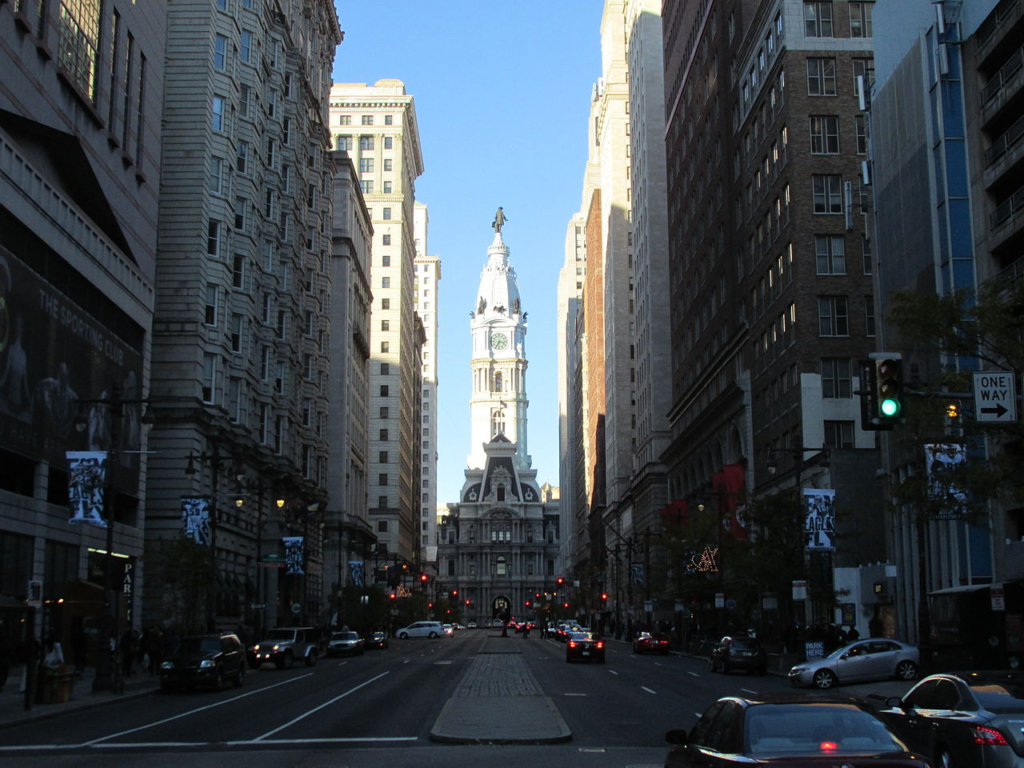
column 747, row 690
column 318, row 708
column 575, row 694
column 693, row 674
column 613, row 671
column 194, row 711
column 200, row 744
column 329, row 740
column 645, row 688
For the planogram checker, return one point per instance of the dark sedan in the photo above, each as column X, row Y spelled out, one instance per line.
column 584, row 646
column 789, row 730
column 739, row 652
column 963, row 718
column 647, row 642
column 376, row 640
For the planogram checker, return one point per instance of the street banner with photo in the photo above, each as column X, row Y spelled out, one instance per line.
column 728, row 489
column 636, row 572
column 195, row 519
column 294, row 555
column 941, row 461
column 356, row 572
column 820, row 518
column 87, row 481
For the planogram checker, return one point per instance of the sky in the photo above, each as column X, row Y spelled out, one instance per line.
column 502, row 96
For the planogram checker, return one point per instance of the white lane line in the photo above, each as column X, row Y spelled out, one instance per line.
column 194, row 711
column 337, row 740
column 693, row 674
column 52, row 747
column 644, row 687
column 317, row 709
column 183, row 744
column 747, row 690
column 613, row 671
column 575, row 694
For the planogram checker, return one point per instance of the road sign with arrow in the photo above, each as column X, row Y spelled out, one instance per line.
column 994, row 397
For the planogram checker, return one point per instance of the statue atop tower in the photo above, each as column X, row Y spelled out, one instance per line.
column 499, row 220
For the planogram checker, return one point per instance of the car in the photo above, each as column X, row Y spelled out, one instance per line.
column 824, row 730
column 208, row 660
column 876, row 658
column 497, row 623
column 585, row 646
column 283, row 646
column 376, row 640
column 962, row 718
column 344, row 642
column 471, row 625
column 449, row 630
column 421, row 629
column 647, row 642
column 739, row 652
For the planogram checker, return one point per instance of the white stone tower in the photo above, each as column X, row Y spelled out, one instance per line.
column 498, row 402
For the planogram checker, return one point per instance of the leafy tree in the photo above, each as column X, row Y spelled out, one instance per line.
column 178, row 574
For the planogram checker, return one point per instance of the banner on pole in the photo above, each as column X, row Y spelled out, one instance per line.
column 356, row 572
column 195, row 519
column 87, row 481
column 637, row 572
column 820, row 519
column 294, row 555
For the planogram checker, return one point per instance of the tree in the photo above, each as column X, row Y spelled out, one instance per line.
column 178, row 573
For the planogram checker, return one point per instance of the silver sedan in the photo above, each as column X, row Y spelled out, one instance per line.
column 874, row 659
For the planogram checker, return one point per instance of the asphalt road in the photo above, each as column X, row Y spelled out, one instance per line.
column 378, row 709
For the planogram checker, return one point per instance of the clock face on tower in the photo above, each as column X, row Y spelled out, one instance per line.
column 499, row 341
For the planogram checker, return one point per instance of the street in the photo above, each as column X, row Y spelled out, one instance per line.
column 379, row 709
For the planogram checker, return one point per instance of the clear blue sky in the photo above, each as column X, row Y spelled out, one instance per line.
column 502, row 93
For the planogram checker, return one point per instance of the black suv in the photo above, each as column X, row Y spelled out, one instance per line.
column 739, row 652
column 204, row 660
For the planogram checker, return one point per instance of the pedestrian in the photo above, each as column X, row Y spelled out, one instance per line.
column 852, row 634
column 875, row 627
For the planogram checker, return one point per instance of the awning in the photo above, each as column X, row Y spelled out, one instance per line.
column 961, row 589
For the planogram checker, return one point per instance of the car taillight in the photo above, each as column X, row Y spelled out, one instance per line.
column 828, row 746
column 989, row 736
column 600, row 644
column 572, row 643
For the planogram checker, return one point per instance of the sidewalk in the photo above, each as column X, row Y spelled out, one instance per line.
column 12, row 700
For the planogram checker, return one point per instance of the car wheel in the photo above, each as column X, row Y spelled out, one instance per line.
column 311, row 659
column 289, row 660
column 725, row 668
column 824, row 679
column 714, row 668
column 240, row 677
column 218, row 682
column 403, row 636
column 943, row 758
column 906, row 670
column 433, row 635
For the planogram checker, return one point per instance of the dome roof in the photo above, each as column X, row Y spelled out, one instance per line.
column 499, row 292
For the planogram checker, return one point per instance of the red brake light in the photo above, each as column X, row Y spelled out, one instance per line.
column 828, row 746
column 989, row 736
column 600, row 644
column 572, row 643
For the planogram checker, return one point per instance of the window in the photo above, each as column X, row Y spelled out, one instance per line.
column 860, row 19
column 344, row 143
column 865, row 249
column 286, row 131
column 213, row 238
column 827, row 192
column 839, row 434
column 220, row 52
column 389, row 120
column 385, row 325
column 242, row 157
column 385, row 260
column 238, row 271
column 209, row 376
column 366, row 187
column 862, row 68
column 821, row 77
column 366, row 120
column 382, row 525
column 212, row 295
column 217, row 117
column 366, row 143
column 385, row 369
column 833, row 316
column 383, row 434
column 384, row 390
column 344, row 119
column 268, row 204
column 386, row 240
column 385, row 303
column 818, row 19
column 869, row 316
column 384, row 412
column 307, row 366
column 388, row 165
column 282, row 324
column 861, row 127
column 387, row 187
column 240, row 207
column 235, row 399
column 264, row 363
column 271, row 144
column 216, row 175
column 78, row 51
column 835, row 377
column 366, row 165
column 830, row 254
column 245, row 48
column 387, row 214
column 382, row 479
column 385, row 347
column 236, row 332
column 387, row 142
column 385, row 282
column 824, row 135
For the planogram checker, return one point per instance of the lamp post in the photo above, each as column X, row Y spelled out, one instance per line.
column 108, row 669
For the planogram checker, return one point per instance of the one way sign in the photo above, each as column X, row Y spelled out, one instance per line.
column 994, row 398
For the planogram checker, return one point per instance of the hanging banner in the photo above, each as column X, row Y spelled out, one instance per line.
column 728, row 488
column 820, row 518
column 195, row 519
column 356, row 572
column 294, row 555
column 941, row 461
column 87, row 476
column 636, row 571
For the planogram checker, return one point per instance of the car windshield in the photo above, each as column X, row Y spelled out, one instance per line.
column 344, row 636
column 801, row 729
column 280, row 634
column 746, row 643
column 199, row 645
column 584, row 636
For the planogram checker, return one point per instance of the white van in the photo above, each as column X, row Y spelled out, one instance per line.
column 421, row 629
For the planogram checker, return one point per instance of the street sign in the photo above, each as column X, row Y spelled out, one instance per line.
column 35, row 593
column 994, row 398
column 719, row 599
column 997, row 597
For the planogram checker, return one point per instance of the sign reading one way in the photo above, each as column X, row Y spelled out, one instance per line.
column 994, row 398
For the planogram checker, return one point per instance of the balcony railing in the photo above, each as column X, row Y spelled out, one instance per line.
column 1002, row 144
column 1008, row 208
column 1008, row 70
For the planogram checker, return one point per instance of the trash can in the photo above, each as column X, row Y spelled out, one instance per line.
column 55, row 685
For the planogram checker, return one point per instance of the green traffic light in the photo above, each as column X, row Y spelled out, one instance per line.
column 889, row 407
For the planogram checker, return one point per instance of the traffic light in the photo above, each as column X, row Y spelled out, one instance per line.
column 561, row 581
column 604, row 597
column 953, row 409
column 881, row 391
column 455, row 592
column 423, row 577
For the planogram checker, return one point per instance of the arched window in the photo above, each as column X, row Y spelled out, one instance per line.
column 498, row 378
column 497, row 422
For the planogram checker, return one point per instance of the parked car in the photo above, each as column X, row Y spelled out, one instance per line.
column 345, row 642
column 421, row 629
column 209, row 660
column 376, row 640
column 822, row 731
column 739, row 652
column 449, row 630
column 585, row 646
column 963, row 718
column 873, row 659
column 471, row 625
column 647, row 642
column 283, row 646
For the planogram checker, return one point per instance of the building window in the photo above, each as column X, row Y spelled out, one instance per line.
column 824, row 135
column 366, row 120
column 366, row 143
column 387, row 142
column 264, row 363
column 217, row 119
column 209, row 376
column 498, row 380
column 869, row 316
column 500, row 566
column 382, row 479
column 213, row 238
column 366, row 187
column 220, row 52
column 389, row 120
column 386, row 240
column 388, row 165
column 382, row 525
column 366, row 165
column 385, row 303
column 862, row 68
column 385, row 347
column 860, row 19
column 382, row 503
column 344, row 119
column 821, row 77
column 240, row 206
column 384, row 413
column 839, row 434
column 387, row 187
column 212, row 293
column 79, row 42
column 865, row 249
column 387, row 214
column 343, row 143
column 833, row 316
column 245, row 47
column 861, row 127
column 385, row 390
column 818, row 19
column 383, row 435
column 835, row 377
column 238, row 271
column 828, row 193
column 385, row 260
column 830, row 254
column 236, row 332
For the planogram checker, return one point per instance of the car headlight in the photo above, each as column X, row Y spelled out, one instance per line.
column 275, row 648
column 206, row 663
column 797, row 670
column 167, row 665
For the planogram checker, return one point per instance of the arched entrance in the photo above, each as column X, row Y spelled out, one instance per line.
column 501, row 608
